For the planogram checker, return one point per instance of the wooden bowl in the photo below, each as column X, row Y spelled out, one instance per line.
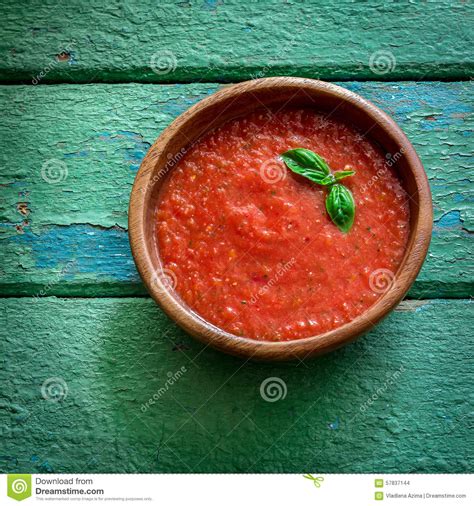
column 239, row 100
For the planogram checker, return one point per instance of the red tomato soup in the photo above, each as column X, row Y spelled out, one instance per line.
column 249, row 244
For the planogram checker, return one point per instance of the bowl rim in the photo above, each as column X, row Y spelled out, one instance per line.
column 209, row 334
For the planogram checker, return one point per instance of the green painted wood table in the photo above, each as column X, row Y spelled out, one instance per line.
column 94, row 377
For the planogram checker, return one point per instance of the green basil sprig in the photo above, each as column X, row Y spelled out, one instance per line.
column 340, row 203
column 340, row 206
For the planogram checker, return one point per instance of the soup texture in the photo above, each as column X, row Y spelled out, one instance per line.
column 248, row 244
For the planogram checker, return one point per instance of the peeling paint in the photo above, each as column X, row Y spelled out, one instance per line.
column 105, row 130
column 109, row 47
column 95, row 343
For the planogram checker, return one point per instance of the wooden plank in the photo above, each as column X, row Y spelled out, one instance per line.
column 96, row 135
column 114, row 355
column 115, row 41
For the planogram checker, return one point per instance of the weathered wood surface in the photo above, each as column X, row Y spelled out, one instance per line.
column 115, row 354
column 42, row 41
column 69, row 238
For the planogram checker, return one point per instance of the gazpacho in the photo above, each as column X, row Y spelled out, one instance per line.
column 282, row 225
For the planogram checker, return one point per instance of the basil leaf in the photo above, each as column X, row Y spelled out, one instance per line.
column 339, row 203
column 340, row 206
column 341, row 174
column 306, row 159
column 328, row 180
column 314, row 175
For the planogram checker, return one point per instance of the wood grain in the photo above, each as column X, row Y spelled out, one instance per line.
column 102, row 132
column 229, row 41
column 115, row 354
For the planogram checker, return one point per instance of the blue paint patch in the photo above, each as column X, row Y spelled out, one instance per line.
column 334, row 425
column 211, row 4
column 447, row 105
column 102, row 252
column 422, row 307
column 460, row 197
column 352, row 86
column 34, row 458
column 133, row 154
column 174, row 107
column 449, row 221
column 72, row 58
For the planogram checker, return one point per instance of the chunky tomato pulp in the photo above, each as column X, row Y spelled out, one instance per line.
column 249, row 243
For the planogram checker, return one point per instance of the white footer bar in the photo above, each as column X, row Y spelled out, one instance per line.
column 238, row 489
